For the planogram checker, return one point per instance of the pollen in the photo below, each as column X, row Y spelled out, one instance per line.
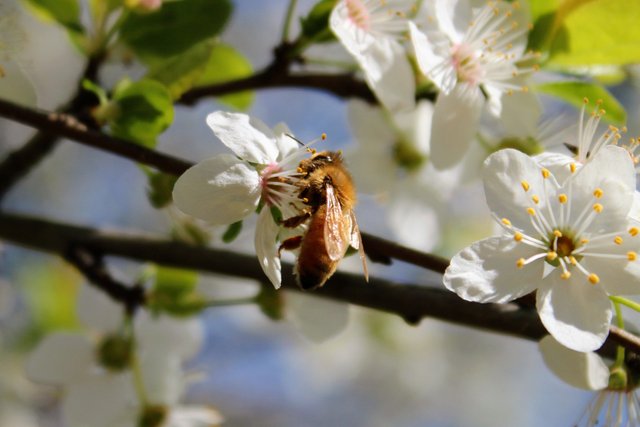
column 323, row 136
column 531, row 211
column 573, row 260
column 584, row 241
column 565, row 275
column 633, row 231
column 598, row 207
column 557, row 233
column 525, row 185
column 632, row 256
column 506, row 222
column 617, row 240
column 551, row 255
column 562, row 198
column 518, row 237
column 545, row 173
column 520, row 263
column 597, row 193
column 535, row 199
column 573, row 167
column 593, row 279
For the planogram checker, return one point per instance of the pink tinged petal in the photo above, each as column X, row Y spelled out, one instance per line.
column 455, row 122
column 248, row 137
column 574, row 311
column 317, row 319
column 487, row 271
column 267, row 247
column 428, row 59
column 97, row 311
column 102, row 401
column 506, row 174
column 583, row 370
column 220, row 190
column 61, row 358
column 168, row 335
column 520, row 114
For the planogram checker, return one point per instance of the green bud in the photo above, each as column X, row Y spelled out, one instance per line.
column 529, row 146
column 407, row 156
column 271, row 303
column 618, row 379
column 114, row 352
column 152, row 416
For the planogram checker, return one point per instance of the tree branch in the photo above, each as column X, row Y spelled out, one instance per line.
column 412, row 302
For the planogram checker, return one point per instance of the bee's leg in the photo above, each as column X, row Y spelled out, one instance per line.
column 295, row 221
column 290, row 244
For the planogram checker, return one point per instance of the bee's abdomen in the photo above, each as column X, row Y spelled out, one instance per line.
column 314, row 266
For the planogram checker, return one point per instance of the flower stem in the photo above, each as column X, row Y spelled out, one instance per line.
column 230, row 302
column 620, row 321
column 620, row 300
column 287, row 20
column 136, row 369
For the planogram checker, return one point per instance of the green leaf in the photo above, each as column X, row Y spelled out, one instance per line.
column 174, row 282
column 315, row 26
column 64, row 12
column 160, row 189
column 225, row 64
column 596, row 32
column 175, row 28
column 232, row 232
column 180, row 73
column 574, row 93
column 146, row 110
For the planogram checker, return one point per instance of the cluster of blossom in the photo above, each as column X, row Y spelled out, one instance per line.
column 120, row 371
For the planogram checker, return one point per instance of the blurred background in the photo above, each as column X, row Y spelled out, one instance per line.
column 375, row 371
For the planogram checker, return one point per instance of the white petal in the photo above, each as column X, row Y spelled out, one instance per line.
column 455, row 122
column 503, row 174
column 193, row 416
column 60, row 358
column 97, row 311
column 316, row 318
column 618, row 276
column 103, row 401
column 15, row 86
column 583, row 370
column 559, row 164
column 428, row 59
column 610, row 161
column 220, row 190
column 486, row 271
column 370, row 125
column 574, row 311
column 453, row 18
column 415, row 125
column 267, row 247
column 166, row 334
column 413, row 217
column 248, row 137
column 520, row 114
column 163, row 378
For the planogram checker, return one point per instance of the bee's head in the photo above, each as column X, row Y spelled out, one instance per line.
column 326, row 157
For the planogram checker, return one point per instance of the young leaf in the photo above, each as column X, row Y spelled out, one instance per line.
column 146, row 110
column 160, row 188
column 574, row 93
column 174, row 282
column 64, row 12
column 175, row 28
column 232, row 232
column 315, row 26
column 225, row 64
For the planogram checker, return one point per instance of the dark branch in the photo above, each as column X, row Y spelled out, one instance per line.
column 412, row 302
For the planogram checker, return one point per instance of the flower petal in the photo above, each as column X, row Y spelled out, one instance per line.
column 583, row 370
column 453, row 17
column 97, row 311
column 164, row 381
column 618, row 276
column 169, row 335
column 486, row 271
column 248, row 137
column 520, row 114
column 60, row 358
column 16, row 86
column 574, row 311
column 317, row 319
column 504, row 175
column 220, row 190
column 455, row 122
column 413, row 216
column 436, row 67
column 193, row 416
column 267, row 247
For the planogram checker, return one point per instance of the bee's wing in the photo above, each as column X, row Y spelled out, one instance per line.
column 337, row 226
column 356, row 242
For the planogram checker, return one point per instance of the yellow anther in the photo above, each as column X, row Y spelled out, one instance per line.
column 557, row 233
column 545, row 173
column 632, row 256
column 584, row 241
column 562, row 198
column 597, row 193
column 517, row 237
column 525, row 185
column 323, row 136
column 573, row 167
column 551, row 255
column 520, row 263
column 565, row 275
column 594, row 279
column 535, row 199
column 585, row 100
column 531, row 211
column 634, row 231
column 506, row 222
column 617, row 240
column 573, row 260
column 305, row 200
column 598, row 207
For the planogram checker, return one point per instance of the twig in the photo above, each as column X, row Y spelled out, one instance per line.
column 412, row 302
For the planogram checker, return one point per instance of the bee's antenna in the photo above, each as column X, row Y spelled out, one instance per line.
column 295, row 139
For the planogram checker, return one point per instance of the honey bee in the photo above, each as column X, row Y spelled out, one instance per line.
column 327, row 191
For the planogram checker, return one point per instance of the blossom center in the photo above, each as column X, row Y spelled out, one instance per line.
column 465, row 61
column 268, row 179
column 358, row 14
